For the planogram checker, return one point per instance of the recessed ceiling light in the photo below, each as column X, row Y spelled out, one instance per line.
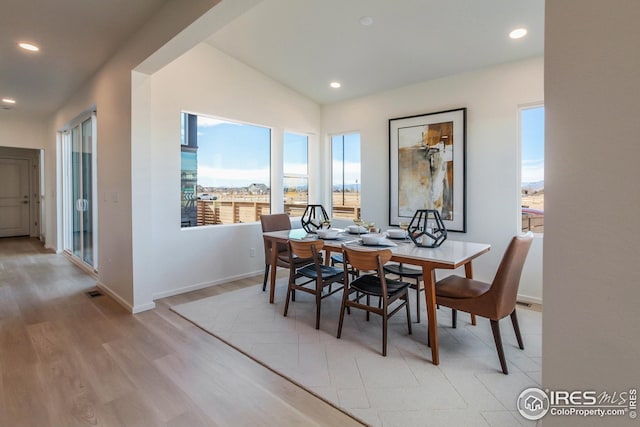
column 335, row 85
column 518, row 33
column 8, row 100
column 366, row 21
column 28, row 46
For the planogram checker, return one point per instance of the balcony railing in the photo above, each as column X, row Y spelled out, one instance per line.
column 212, row 212
column 532, row 220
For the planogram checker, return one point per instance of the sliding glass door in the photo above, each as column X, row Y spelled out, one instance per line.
column 79, row 182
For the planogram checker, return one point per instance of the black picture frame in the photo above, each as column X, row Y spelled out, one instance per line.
column 427, row 167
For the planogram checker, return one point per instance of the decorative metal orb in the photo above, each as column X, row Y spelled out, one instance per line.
column 315, row 218
column 427, row 229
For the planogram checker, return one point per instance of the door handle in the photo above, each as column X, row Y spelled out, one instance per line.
column 82, row 205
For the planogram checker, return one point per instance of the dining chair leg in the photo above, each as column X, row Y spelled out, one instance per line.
column 516, row 328
column 342, row 307
column 286, row 304
column 454, row 318
column 495, row 327
column 266, row 276
column 473, row 319
column 385, row 318
column 290, row 292
column 418, row 300
column 406, row 303
column 368, row 303
column 318, row 302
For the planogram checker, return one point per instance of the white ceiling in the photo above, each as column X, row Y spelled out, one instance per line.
column 303, row 44
column 76, row 37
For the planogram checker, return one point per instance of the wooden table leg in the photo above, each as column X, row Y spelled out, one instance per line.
column 468, row 271
column 428, row 275
column 273, row 272
column 327, row 255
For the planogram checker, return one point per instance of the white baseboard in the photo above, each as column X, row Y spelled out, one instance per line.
column 143, row 307
column 203, row 285
column 130, row 308
column 529, row 299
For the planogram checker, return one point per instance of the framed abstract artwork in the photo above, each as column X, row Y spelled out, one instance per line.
column 427, row 167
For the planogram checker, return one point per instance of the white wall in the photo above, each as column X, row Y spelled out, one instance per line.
column 110, row 90
column 22, row 132
column 591, row 334
column 492, row 97
column 29, row 132
column 207, row 81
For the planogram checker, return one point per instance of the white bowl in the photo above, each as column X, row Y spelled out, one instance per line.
column 396, row 233
column 356, row 229
column 373, row 239
column 330, row 233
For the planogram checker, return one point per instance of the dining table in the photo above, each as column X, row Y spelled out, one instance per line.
column 451, row 254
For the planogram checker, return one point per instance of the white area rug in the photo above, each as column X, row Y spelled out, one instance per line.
column 402, row 389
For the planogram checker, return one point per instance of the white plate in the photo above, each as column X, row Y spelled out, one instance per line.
column 356, row 229
column 374, row 239
column 386, row 243
column 330, row 234
column 331, row 237
column 396, row 233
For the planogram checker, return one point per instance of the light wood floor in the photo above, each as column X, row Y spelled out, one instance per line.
column 70, row 360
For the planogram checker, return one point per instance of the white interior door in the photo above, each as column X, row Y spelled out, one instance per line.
column 14, row 197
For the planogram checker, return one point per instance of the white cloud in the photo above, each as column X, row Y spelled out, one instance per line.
column 209, row 121
column 297, row 168
column 533, row 170
column 351, row 172
column 217, row 177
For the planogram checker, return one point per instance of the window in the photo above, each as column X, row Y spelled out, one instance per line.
column 296, row 173
column 225, row 171
column 532, row 169
column 345, row 167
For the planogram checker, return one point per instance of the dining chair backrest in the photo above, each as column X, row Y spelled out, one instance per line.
column 306, row 248
column 504, row 288
column 275, row 222
column 366, row 259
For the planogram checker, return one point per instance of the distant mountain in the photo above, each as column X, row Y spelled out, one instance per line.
column 347, row 187
column 533, row 186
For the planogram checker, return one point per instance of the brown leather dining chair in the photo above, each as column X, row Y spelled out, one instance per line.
column 316, row 276
column 388, row 291
column 277, row 222
column 495, row 300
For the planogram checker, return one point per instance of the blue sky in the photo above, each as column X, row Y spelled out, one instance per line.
column 222, row 148
column 532, row 127
column 222, row 159
column 295, row 154
column 351, row 153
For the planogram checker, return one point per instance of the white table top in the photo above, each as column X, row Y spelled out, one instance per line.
column 451, row 252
